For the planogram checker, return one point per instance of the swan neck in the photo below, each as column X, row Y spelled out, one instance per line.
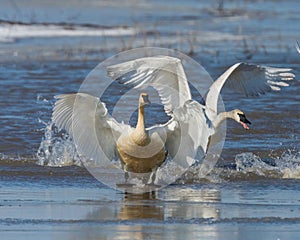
column 221, row 117
column 141, row 119
column 139, row 136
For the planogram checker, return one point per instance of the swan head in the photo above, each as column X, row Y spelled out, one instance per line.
column 240, row 117
column 144, row 99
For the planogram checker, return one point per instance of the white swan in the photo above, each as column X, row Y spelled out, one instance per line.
column 100, row 137
column 160, row 71
column 248, row 79
column 139, row 151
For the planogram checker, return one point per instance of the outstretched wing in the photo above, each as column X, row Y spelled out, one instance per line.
column 165, row 74
column 87, row 121
column 250, row 80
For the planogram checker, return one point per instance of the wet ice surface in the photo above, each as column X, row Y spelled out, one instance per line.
column 247, row 195
column 55, row 205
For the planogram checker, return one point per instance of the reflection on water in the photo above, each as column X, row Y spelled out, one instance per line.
column 195, row 212
column 153, row 215
column 86, row 210
column 194, row 203
column 135, row 207
column 140, row 206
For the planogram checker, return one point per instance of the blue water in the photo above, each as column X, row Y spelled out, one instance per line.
column 34, row 69
column 245, row 195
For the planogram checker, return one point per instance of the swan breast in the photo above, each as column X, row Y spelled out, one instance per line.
column 141, row 158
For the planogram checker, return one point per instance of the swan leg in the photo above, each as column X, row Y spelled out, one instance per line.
column 152, row 178
column 126, row 176
column 126, row 173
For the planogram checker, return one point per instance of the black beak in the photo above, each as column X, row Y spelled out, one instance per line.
column 243, row 118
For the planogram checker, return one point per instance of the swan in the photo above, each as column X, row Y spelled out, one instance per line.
column 248, row 79
column 166, row 75
column 139, row 151
column 185, row 137
column 101, row 137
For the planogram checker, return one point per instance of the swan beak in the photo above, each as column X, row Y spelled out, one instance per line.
column 146, row 100
column 244, row 121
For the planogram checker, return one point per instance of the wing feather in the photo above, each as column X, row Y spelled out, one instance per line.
column 187, row 142
column 163, row 73
column 86, row 119
column 249, row 80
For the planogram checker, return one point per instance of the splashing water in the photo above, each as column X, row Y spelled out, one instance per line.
column 251, row 163
column 249, row 166
column 57, row 148
column 289, row 164
column 285, row 166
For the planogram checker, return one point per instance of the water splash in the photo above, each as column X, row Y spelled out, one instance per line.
column 249, row 166
column 57, row 148
column 289, row 164
column 250, row 163
column 285, row 166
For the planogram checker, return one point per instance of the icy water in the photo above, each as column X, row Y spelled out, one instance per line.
column 48, row 48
